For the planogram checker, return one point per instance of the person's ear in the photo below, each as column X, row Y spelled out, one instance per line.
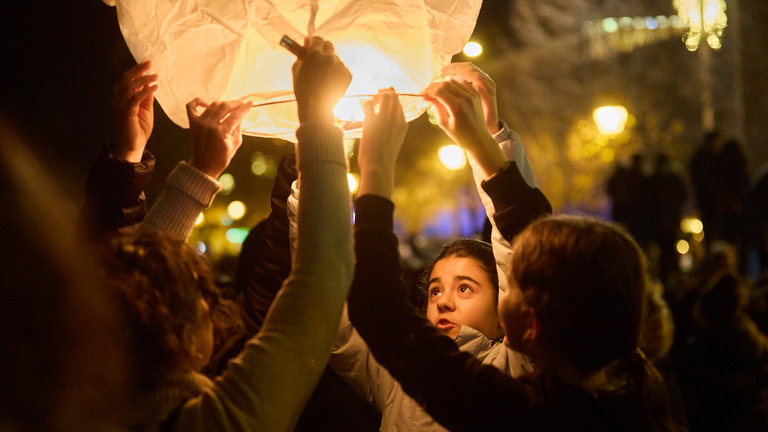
column 532, row 332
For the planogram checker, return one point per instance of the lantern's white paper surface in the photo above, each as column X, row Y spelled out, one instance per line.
column 229, row 49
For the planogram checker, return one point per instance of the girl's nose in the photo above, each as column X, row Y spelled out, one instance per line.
column 445, row 302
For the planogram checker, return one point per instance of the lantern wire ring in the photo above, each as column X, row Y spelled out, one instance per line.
column 257, row 105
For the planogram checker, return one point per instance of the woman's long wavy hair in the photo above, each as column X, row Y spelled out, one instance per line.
column 586, row 282
column 161, row 281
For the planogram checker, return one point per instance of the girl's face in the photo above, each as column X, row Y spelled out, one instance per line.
column 461, row 293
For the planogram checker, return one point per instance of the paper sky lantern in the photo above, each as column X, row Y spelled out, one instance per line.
column 224, row 50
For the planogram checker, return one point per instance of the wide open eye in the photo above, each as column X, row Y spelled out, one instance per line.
column 435, row 291
column 465, row 289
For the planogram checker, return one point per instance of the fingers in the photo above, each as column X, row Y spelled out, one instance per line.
column 317, row 43
column 466, row 71
column 385, row 102
column 132, row 83
column 227, row 115
column 451, row 94
column 368, row 108
column 194, row 106
column 137, row 70
column 145, row 96
column 236, row 116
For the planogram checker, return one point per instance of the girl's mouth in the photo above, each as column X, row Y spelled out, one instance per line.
column 444, row 324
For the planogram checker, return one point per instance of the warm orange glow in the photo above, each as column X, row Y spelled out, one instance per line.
column 227, row 54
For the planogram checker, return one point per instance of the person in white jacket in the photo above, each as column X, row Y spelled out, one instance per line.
column 351, row 358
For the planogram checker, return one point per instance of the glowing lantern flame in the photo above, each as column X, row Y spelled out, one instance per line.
column 223, row 50
column 352, row 182
column 452, row 157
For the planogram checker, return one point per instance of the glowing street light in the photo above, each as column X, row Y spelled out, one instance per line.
column 452, row 157
column 705, row 19
column 610, row 120
column 473, row 49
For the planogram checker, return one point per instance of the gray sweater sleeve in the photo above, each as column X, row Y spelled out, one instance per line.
column 267, row 385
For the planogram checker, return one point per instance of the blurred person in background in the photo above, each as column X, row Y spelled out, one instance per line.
column 63, row 366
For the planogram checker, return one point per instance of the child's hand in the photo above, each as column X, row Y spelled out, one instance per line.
column 460, row 115
column 459, row 111
column 320, row 79
column 215, row 134
column 384, row 130
column 134, row 113
column 484, row 85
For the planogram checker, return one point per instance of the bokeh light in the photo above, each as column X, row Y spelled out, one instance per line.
column 452, row 157
column 473, row 49
column 610, row 25
column 237, row 235
column 227, row 182
column 692, row 226
column 610, row 120
column 683, row 247
column 236, row 209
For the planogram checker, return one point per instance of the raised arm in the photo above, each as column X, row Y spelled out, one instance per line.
column 468, row 114
column 428, row 364
column 115, row 198
column 192, row 186
column 267, row 385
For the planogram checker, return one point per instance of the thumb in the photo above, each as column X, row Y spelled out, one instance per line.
column 192, row 107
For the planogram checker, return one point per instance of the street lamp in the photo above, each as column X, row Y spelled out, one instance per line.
column 610, row 120
column 705, row 19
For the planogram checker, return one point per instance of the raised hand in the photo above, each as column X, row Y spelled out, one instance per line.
column 460, row 114
column 215, row 134
column 485, row 87
column 134, row 113
column 384, row 130
column 319, row 81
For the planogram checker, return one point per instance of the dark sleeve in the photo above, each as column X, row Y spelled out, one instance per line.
column 454, row 388
column 265, row 259
column 516, row 203
column 115, row 199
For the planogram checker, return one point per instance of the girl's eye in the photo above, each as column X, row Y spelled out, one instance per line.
column 465, row 289
column 433, row 292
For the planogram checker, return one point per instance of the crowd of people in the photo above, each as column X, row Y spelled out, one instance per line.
column 115, row 323
column 716, row 304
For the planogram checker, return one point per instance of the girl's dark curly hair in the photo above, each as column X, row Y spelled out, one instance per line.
column 161, row 281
